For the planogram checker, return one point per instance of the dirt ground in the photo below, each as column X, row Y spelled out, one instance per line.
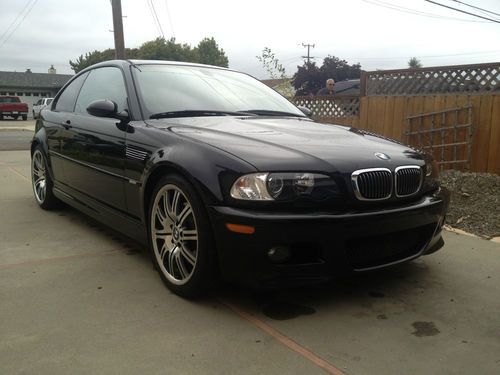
column 475, row 202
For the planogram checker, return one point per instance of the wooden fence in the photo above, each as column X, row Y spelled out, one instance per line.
column 387, row 115
column 475, row 78
column 389, row 98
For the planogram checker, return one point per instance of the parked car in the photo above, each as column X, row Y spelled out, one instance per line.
column 11, row 106
column 221, row 176
column 39, row 105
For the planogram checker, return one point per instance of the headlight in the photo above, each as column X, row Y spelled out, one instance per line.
column 431, row 169
column 283, row 186
column 251, row 187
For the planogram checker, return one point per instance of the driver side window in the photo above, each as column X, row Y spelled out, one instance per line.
column 102, row 83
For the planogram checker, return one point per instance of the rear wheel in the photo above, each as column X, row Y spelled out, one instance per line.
column 180, row 238
column 41, row 181
column 25, row 117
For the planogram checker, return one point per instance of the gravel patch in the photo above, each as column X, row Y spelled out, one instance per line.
column 475, row 202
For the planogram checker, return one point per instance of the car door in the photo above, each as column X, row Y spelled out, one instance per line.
column 94, row 147
column 53, row 124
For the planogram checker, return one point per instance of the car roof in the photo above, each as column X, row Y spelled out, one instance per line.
column 165, row 62
column 125, row 63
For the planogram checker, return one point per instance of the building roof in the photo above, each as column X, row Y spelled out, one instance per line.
column 33, row 80
column 274, row 82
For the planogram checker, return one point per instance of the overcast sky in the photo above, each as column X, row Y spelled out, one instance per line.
column 364, row 31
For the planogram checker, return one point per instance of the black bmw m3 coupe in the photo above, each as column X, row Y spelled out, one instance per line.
column 220, row 176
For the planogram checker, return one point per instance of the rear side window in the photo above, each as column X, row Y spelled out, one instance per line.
column 66, row 101
column 103, row 83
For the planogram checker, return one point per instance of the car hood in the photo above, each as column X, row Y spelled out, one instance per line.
column 271, row 143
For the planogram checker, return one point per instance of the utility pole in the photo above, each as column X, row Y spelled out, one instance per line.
column 308, row 57
column 118, row 29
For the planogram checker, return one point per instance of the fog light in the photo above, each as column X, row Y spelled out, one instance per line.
column 279, row 254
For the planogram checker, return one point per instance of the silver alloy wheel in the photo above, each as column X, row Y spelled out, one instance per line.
column 174, row 234
column 38, row 176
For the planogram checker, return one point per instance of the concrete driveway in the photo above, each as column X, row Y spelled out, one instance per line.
column 75, row 297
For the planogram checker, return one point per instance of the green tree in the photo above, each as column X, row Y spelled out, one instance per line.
column 414, row 63
column 309, row 78
column 91, row 58
column 339, row 70
column 207, row 52
column 161, row 49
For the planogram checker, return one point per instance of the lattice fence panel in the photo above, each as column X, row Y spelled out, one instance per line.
column 346, row 106
column 435, row 80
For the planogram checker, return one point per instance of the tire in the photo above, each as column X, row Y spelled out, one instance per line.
column 180, row 238
column 41, row 182
column 15, row 117
column 25, row 117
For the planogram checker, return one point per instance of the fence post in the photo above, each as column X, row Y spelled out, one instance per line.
column 362, row 80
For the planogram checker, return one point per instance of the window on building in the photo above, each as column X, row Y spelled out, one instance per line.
column 12, row 93
column 19, row 94
column 27, row 94
column 3, row 93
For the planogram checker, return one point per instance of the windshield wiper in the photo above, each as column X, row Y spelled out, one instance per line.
column 196, row 113
column 265, row 112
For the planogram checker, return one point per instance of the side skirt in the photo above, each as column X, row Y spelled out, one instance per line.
column 106, row 215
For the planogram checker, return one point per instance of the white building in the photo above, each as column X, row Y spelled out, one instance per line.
column 30, row 87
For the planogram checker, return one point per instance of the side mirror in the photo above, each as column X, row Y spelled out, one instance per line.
column 106, row 108
column 306, row 111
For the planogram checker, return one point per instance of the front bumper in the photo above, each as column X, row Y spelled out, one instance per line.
column 13, row 113
column 323, row 245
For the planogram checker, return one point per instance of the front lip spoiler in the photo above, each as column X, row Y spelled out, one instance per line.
column 260, row 215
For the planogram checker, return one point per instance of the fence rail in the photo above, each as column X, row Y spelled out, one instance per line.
column 388, row 116
column 330, row 106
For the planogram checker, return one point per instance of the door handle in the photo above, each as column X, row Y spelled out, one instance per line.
column 66, row 124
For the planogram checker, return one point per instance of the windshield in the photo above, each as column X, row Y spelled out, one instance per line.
column 10, row 99
column 170, row 88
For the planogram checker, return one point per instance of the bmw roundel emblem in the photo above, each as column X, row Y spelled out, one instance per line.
column 382, row 156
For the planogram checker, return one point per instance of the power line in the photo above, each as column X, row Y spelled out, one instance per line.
column 475, row 7
column 155, row 17
column 19, row 24
column 15, row 20
column 426, row 56
column 414, row 11
column 169, row 19
column 463, row 11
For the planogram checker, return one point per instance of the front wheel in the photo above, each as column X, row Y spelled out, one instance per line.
column 180, row 237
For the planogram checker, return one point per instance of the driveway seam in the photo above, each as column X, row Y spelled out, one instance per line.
column 283, row 339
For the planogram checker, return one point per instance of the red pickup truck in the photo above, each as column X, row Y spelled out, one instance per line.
column 12, row 106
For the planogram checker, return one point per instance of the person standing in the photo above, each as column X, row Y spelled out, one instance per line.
column 328, row 90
